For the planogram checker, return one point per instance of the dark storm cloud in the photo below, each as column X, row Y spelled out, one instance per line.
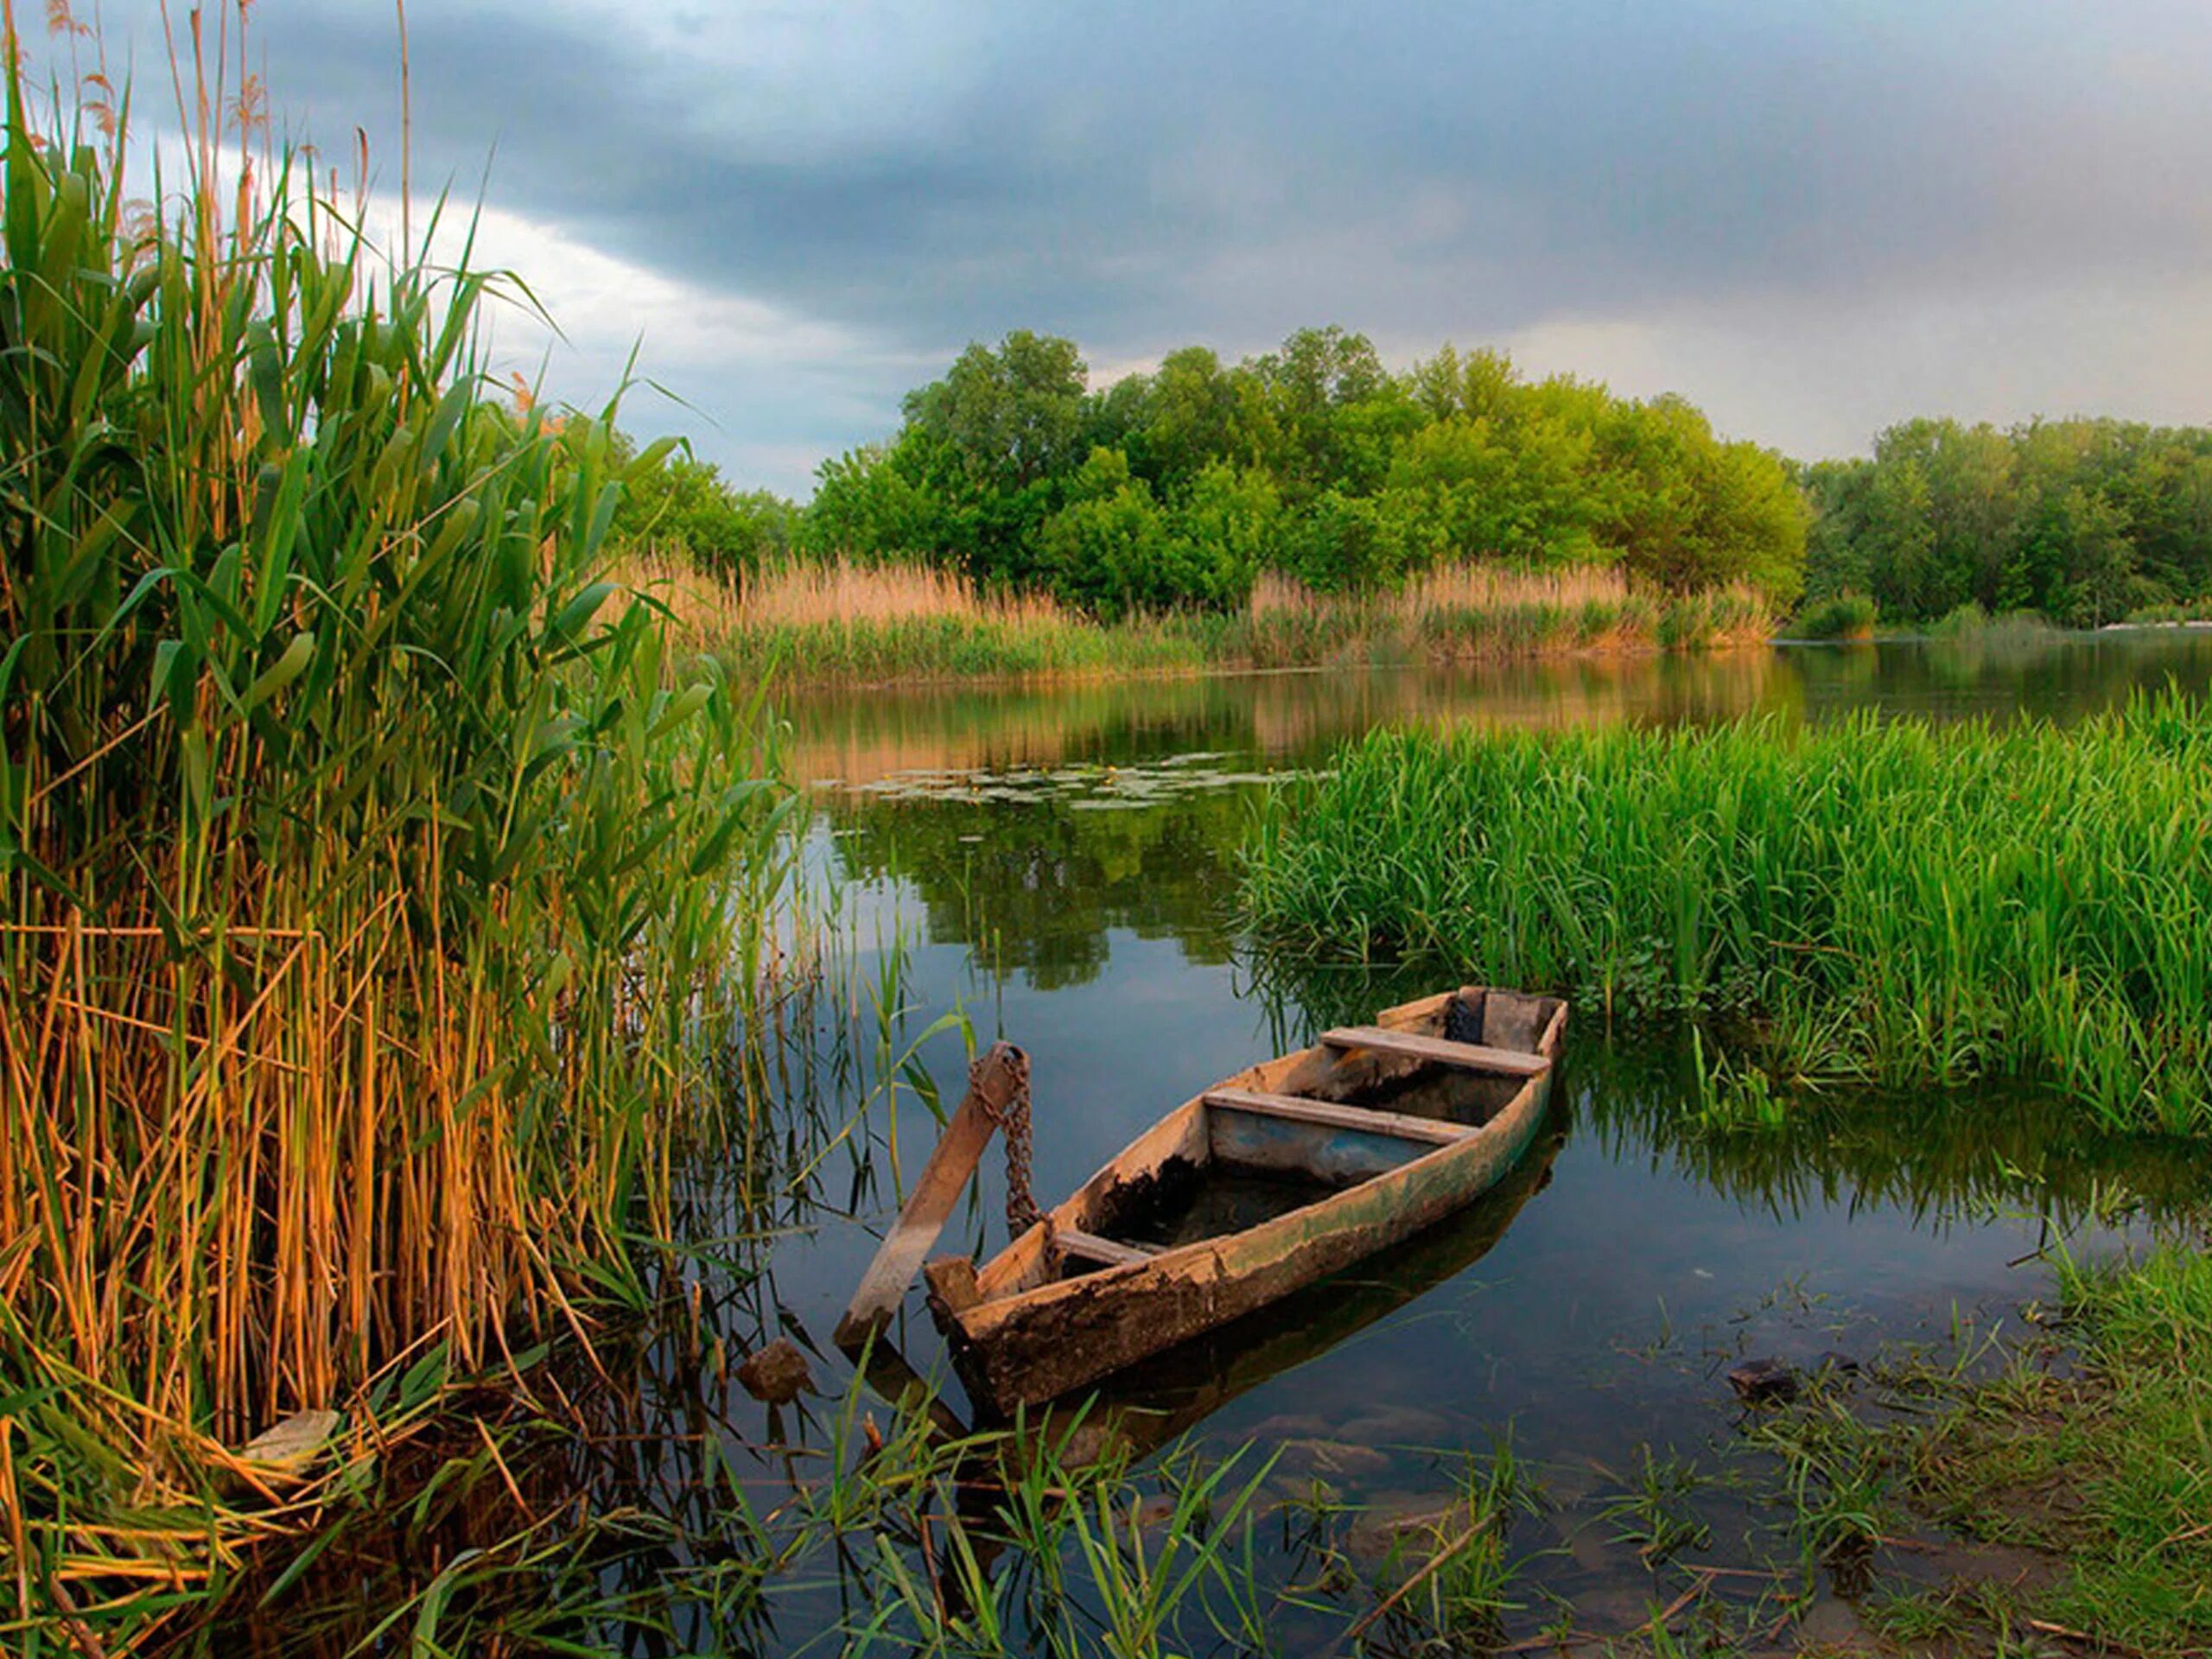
column 1139, row 176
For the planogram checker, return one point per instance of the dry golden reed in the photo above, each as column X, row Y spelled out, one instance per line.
column 379, row 901
column 841, row 592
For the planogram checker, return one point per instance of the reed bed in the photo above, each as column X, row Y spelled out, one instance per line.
column 839, row 591
column 843, row 622
column 380, row 902
column 1888, row 900
column 1473, row 609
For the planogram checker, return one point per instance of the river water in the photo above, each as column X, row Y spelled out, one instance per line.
column 1060, row 866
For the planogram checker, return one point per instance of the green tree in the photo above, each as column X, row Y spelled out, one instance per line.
column 1109, row 551
column 1008, row 418
column 869, row 505
column 1176, row 487
column 1189, row 420
column 683, row 506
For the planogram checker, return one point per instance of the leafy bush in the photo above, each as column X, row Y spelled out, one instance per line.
column 1846, row 616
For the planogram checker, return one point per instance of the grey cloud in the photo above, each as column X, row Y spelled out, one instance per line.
column 1140, row 175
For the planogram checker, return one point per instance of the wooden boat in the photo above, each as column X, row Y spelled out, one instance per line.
column 1290, row 1170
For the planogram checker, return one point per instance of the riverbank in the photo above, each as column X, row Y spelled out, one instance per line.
column 843, row 625
column 2078, row 1478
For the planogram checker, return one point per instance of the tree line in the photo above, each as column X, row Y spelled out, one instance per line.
column 1176, row 488
column 2083, row 521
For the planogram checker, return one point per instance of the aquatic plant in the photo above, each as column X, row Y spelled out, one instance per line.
column 1882, row 899
column 380, row 899
column 2098, row 1465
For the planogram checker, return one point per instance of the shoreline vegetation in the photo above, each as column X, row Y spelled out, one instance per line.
column 2082, row 1484
column 849, row 625
column 381, row 908
column 1880, row 899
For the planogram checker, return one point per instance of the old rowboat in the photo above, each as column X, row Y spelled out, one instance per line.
column 1292, row 1170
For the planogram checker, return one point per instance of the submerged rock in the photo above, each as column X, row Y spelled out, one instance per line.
column 1763, row 1381
column 776, row 1373
column 1326, row 1458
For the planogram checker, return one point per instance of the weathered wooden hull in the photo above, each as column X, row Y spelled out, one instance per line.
column 1022, row 1336
column 1148, row 1404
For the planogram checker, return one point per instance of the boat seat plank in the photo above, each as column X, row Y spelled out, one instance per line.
column 1472, row 1057
column 1334, row 1117
column 1108, row 1252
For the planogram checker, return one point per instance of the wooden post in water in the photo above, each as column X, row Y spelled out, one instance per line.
column 993, row 1085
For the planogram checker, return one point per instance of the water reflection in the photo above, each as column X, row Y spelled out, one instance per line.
column 1034, row 870
column 1032, row 823
column 1295, row 717
column 1583, row 1310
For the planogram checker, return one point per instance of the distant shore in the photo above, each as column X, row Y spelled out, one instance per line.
column 856, row 626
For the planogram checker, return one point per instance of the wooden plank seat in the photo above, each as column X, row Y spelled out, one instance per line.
column 1332, row 1115
column 1471, row 1057
column 1107, row 1252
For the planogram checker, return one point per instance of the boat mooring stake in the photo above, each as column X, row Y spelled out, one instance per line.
column 997, row 1096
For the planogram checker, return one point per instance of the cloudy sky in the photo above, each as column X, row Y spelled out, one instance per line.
column 1811, row 218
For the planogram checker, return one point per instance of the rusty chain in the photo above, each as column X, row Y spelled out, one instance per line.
column 1013, row 1121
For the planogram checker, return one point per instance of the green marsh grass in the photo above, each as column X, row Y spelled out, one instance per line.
column 1970, row 624
column 2110, row 1469
column 380, row 897
column 2101, row 1467
column 1886, row 901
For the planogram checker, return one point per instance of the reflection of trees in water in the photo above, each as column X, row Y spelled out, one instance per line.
column 1306, row 713
column 1293, row 717
column 1938, row 1156
column 1300, row 716
column 1035, row 882
column 1035, row 886
column 2002, row 672
column 860, row 737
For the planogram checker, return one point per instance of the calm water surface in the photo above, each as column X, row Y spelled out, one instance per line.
column 1060, row 864
column 1060, row 867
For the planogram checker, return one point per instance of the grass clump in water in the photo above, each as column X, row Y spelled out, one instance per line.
column 1970, row 624
column 1891, row 901
column 2110, row 1469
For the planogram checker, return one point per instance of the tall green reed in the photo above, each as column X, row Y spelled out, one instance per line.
column 1910, row 903
column 377, row 894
